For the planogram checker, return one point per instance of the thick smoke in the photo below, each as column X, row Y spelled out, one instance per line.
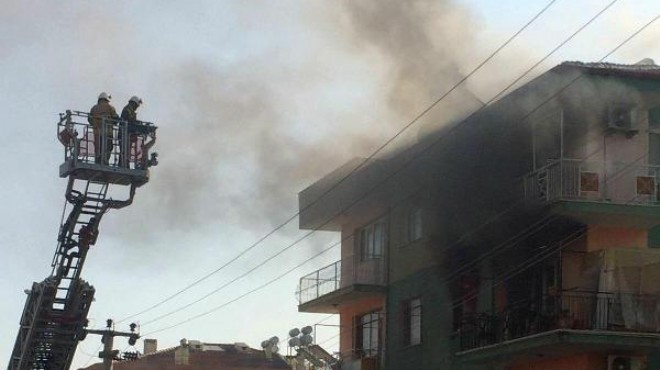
column 231, row 151
column 423, row 43
column 237, row 144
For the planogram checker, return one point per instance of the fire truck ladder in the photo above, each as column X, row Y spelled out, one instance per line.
column 55, row 313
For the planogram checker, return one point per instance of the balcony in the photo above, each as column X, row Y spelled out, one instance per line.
column 588, row 189
column 347, row 280
column 569, row 321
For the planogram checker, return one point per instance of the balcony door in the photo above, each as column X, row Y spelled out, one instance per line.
column 371, row 244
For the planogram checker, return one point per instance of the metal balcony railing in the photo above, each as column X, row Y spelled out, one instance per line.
column 620, row 312
column 608, row 182
column 341, row 274
column 112, row 142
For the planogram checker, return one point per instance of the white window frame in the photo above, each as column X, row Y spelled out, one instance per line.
column 372, row 239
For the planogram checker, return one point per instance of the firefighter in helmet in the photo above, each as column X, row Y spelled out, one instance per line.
column 132, row 130
column 102, row 117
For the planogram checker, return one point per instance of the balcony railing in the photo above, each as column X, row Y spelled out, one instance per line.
column 571, row 179
column 112, row 143
column 569, row 310
column 341, row 274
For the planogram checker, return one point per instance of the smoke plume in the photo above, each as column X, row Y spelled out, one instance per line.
column 237, row 142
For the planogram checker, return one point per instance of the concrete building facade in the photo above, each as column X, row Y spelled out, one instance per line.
column 522, row 237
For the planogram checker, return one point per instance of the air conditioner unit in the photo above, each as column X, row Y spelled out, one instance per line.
column 616, row 362
column 622, row 118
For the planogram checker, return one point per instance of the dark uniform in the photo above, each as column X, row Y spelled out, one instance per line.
column 129, row 116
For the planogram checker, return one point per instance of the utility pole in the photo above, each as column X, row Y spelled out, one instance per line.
column 108, row 337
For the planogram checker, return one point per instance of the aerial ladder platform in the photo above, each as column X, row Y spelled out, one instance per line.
column 104, row 167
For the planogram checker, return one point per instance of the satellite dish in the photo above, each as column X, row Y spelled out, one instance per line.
column 265, row 344
column 274, row 340
column 294, row 332
column 306, row 340
column 307, row 330
column 294, row 342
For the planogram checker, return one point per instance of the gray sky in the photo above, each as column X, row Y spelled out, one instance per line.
column 255, row 100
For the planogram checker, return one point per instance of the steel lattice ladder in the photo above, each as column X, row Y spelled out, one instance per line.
column 55, row 313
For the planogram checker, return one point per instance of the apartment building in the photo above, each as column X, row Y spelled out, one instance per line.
column 523, row 237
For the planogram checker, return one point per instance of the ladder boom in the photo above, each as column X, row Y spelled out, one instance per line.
column 54, row 317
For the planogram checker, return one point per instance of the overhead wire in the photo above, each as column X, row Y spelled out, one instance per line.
column 353, row 171
column 607, row 55
column 207, row 312
column 385, row 180
column 525, row 265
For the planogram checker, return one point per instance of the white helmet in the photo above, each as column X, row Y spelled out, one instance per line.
column 105, row 96
column 135, row 100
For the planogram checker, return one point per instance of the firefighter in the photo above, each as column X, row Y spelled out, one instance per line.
column 101, row 118
column 129, row 116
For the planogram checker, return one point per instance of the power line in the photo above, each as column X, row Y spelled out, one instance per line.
column 410, row 161
column 261, row 287
column 529, row 262
column 385, row 180
column 353, row 171
column 281, row 276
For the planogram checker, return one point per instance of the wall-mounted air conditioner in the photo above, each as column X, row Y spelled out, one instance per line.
column 616, row 362
column 622, row 118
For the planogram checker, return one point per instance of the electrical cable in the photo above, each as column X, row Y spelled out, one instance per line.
column 607, row 55
column 92, row 356
column 370, row 191
column 536, row 259
column 353, row 171
column 279, row 277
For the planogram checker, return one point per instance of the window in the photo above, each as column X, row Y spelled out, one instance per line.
column 654, row 118
column 654, row 148
column 367, row 340
column 372, row 240
column 412, row 325
column 414, row 224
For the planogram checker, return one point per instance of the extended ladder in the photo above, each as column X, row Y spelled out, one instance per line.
column 55, row 314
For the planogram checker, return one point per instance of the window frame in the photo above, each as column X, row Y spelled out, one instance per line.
column 654, row 119
column 412, row 322
column 371, row 336
column 414, row 228
column 372, row 240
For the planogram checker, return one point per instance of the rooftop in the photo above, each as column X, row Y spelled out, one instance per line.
column 203, row 356
column 645, row 68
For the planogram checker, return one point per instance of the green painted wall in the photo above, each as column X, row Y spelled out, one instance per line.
column 654, row 237
column 437, row 347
